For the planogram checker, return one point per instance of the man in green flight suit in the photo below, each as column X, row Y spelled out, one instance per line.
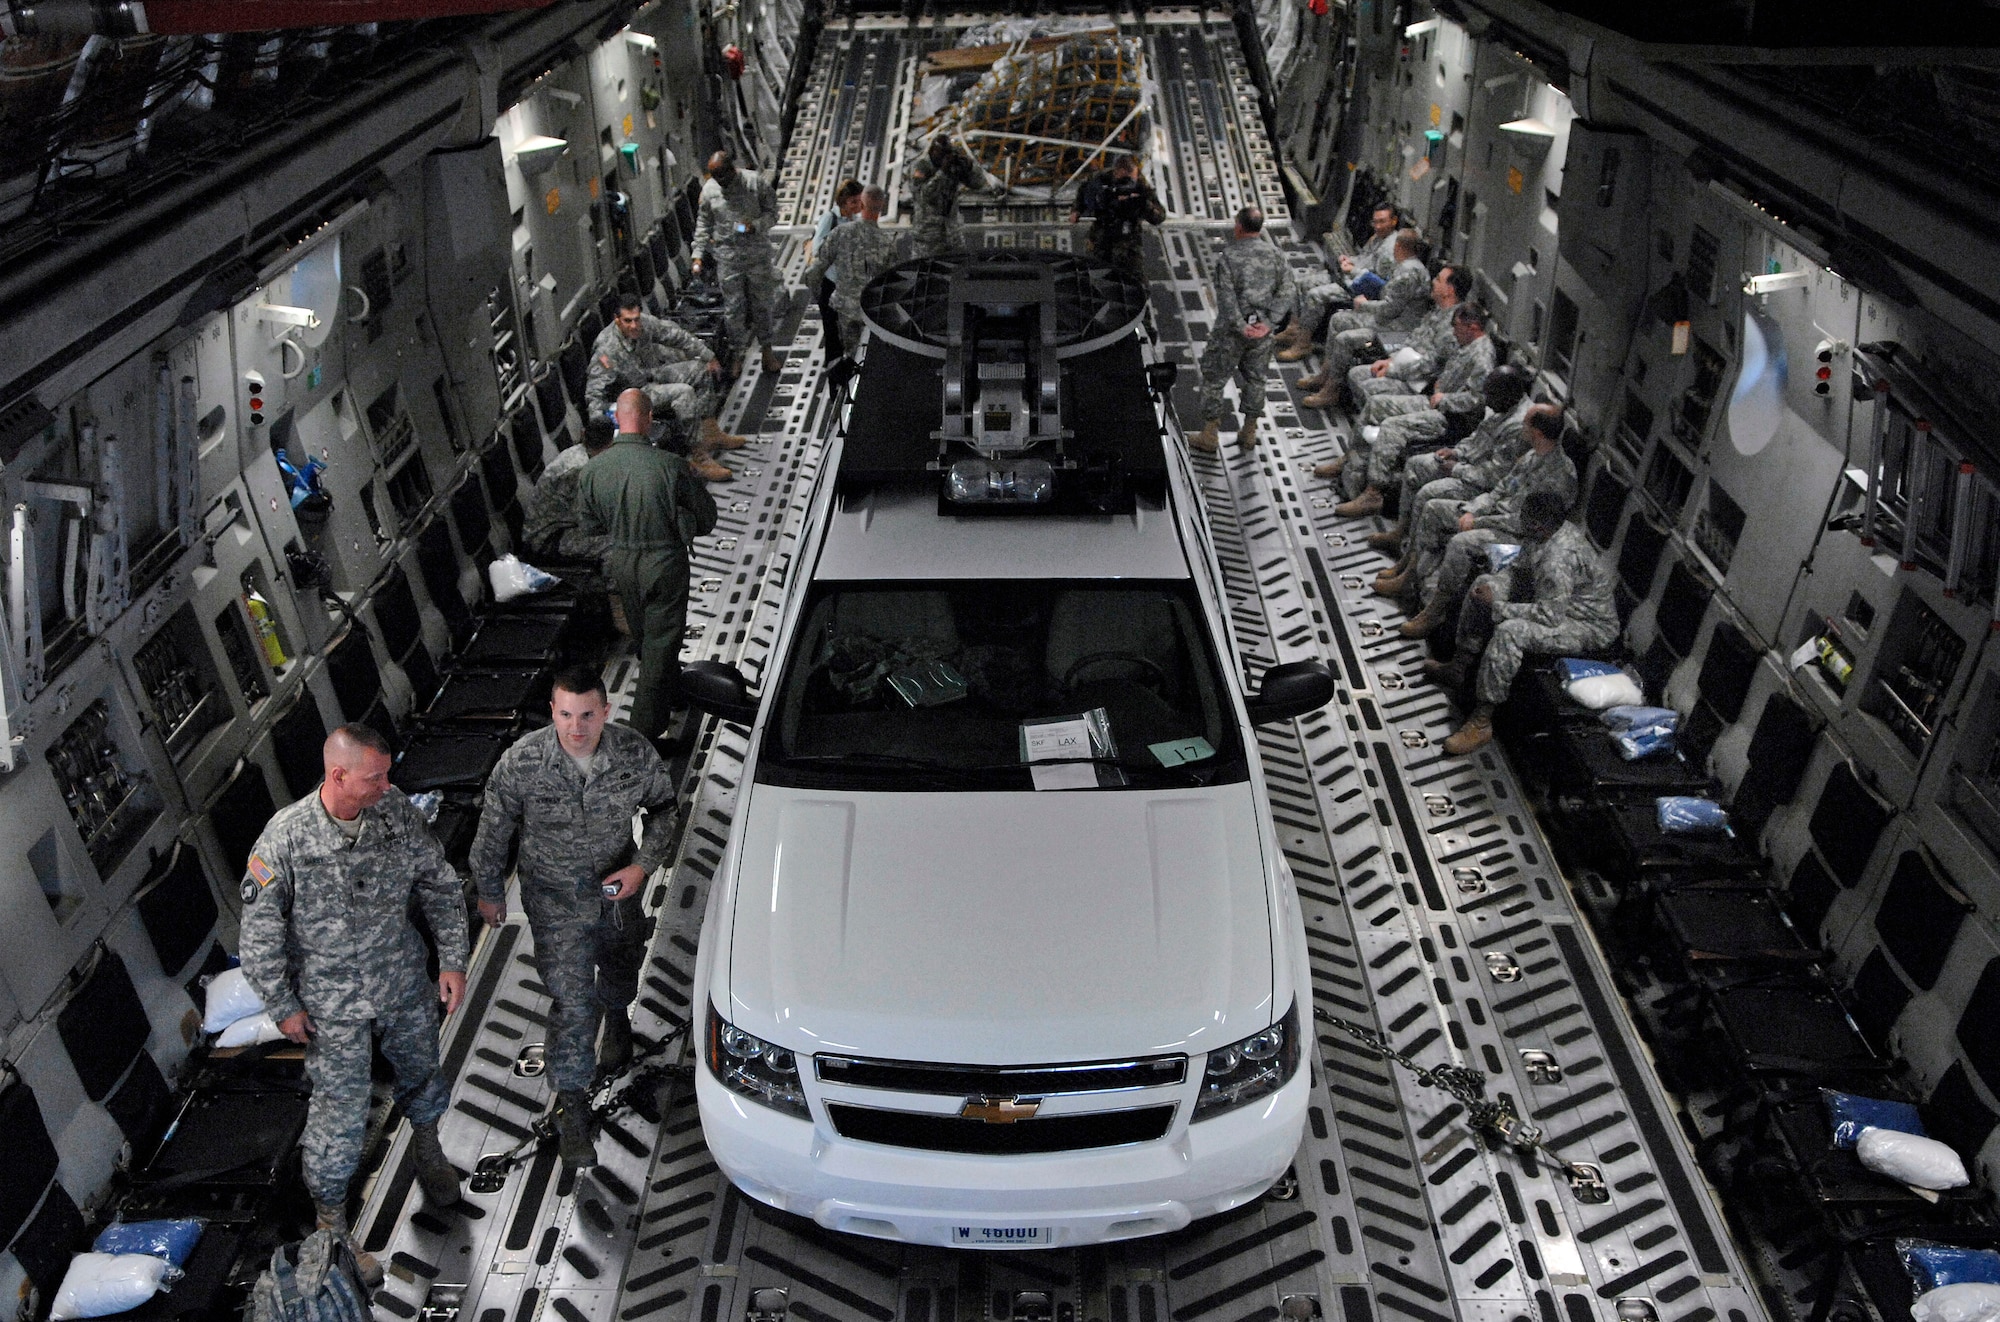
column 652, row 506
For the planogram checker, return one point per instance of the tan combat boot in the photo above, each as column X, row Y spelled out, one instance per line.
column 1393, row 582
column 334, row 1218
column 1368, row 502
column 713, row 438
column 1476, row 733
column 1295, row 343
column 1246, row 435
column 1326, row 397
column 773, row 360
column 1206, row 440
column 1392, row 540
column 1317, row 381
column 704, row 466
column 1331, row 468
column 1424, row 623
column 1450, row 674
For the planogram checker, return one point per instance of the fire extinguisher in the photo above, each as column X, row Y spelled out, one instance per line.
column 732, row 60
column 1317, row 7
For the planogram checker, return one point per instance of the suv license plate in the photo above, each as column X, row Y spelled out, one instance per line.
column 1000, row 1235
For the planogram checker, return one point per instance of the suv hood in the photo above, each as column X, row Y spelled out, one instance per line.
column 1002, row 928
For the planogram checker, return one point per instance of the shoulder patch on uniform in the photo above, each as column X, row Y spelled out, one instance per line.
column 604, row 358
column 250, row 891
column 260, row 871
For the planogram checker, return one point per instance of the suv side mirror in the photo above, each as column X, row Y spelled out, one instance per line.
column 1160, row 377
column 1292, row 689
column 720, row 690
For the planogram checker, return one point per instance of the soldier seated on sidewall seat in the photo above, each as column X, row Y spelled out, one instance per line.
column 1376, row 261
column 679, row 374
column 1570, row 611
column 1354, row 336
column 1458, row 473
column 550, row 537
column 1451, row 537
column 1394, row 426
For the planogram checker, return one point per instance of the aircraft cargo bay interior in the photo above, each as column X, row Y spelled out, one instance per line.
column 1325, row 659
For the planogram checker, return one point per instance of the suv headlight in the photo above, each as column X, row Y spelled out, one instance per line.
column 753, row 1067
column 1245, row 1071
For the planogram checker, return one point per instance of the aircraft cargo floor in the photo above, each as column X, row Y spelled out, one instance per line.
column 1420, row 875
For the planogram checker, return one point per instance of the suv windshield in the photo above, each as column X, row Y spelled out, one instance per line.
column 957, row 685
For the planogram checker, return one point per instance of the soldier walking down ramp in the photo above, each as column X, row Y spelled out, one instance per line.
column 935, row 182
column 1254, row 294
column 732, row 235
column 571, row 791
column 327, row 942
column 652, row 506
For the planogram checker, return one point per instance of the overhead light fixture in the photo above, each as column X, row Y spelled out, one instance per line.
column 1530, row 128
column 538, row 153
column 564, row 95
column 1418, row 29
column 1760, row 285
column 642, row 41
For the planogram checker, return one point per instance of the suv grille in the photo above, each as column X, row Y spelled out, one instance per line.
column 950, row 1133
column 1002, row 1080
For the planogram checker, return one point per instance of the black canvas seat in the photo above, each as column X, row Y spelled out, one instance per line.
column 503, row 698
column 448, row 759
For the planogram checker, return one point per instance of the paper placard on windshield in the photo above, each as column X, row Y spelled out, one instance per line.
column 1179, row 752
column 1057, row 741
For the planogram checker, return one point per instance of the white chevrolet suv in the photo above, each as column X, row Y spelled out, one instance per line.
column 1003, row 952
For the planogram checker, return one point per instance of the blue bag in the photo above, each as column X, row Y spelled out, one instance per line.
column 1367, row 284
column 1573, row 669
column 1849, row 1115
column 173, row 1240
column 1683, row 814
column 1932, row 1265
column 1641, row 731
column 1639, row 718
column 1499, row 555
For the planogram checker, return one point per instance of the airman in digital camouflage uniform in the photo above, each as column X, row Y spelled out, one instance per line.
column 935, row 182
column 326, row 940
column 856, row 252
column 1254, row 294
column 732, row 232
column 1572, row 611
column 675, row 369
column 550, row 537
column 1400, row 422
column 1451, row 540
column 571, row 791
column 1461, row 472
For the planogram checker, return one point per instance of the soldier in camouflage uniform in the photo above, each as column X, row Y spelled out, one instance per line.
column 326, row 940
column 1572, row 611
column 1457, row 474
column 675, row 369
column 1401, row 422
column 1451, row 538
column 935, row 182
column 857, row 252
column 1355, row 335
column 549, row 536
column 651, row 506
column 1120, row 203
column 1377, row 257
column 732, row 230
column 571, row 791
column 1254, row 294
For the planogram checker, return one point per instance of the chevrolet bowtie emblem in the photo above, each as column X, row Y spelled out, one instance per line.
column 999, row 1110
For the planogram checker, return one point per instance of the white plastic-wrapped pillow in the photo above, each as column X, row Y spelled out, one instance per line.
column 250, row 1031
column 100, row 1284
column 1600, row 691
column 1968, row 1301
column 1405, row 358
column 513, row 577
column 1911, row 1158
column 230, row 997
